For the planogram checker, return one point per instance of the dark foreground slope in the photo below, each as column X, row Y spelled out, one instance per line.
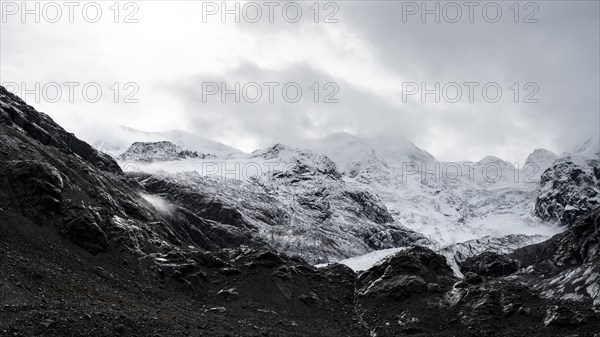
column 83, row 253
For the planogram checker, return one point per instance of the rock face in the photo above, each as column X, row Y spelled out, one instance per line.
column 567, row 266
column 289, row 210
column 489, row 264
column 569, row 189
column 456, row 254
column 157, row 151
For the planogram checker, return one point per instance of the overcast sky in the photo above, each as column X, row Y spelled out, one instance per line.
column 364, row 56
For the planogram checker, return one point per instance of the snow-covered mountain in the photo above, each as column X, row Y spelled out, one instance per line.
column 448, row 202
column 295, row 200
column 400, row 190
column 539, row 161
column 354, row 157
column 590, row 149
column 123, row 137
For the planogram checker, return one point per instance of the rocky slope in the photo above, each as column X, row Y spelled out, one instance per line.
column 86, row 250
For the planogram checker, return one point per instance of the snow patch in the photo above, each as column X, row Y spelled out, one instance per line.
column 364, row 262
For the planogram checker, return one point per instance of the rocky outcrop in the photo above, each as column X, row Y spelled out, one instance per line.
column 569, row 189
column 369, row 207
column 567, row 265
column 39, row 127
column 157, row 151
column 415, row 293
column 459, row 252
column 489, row 264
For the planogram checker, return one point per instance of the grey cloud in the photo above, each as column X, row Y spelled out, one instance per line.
column 560, row 54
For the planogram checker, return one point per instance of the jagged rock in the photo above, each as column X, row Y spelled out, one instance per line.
column 569, row 189
column 490, row 264
column 83, row 226
column 339, row 273
column 459, row 252
column 284, row 273
column 567, row 266
column 39, row 127
column 404, row 274
column 473, row 278
column 36, row 185
column 562, row 316
column 369, row 207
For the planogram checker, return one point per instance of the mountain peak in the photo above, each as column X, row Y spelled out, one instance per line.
column 541, row 157
column 274, row 151
column 340, row 136
column 590, row 148
column 156, row 151
column 123, row 136
column 491, row 159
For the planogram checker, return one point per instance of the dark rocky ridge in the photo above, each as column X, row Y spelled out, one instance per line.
column 82, row 253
